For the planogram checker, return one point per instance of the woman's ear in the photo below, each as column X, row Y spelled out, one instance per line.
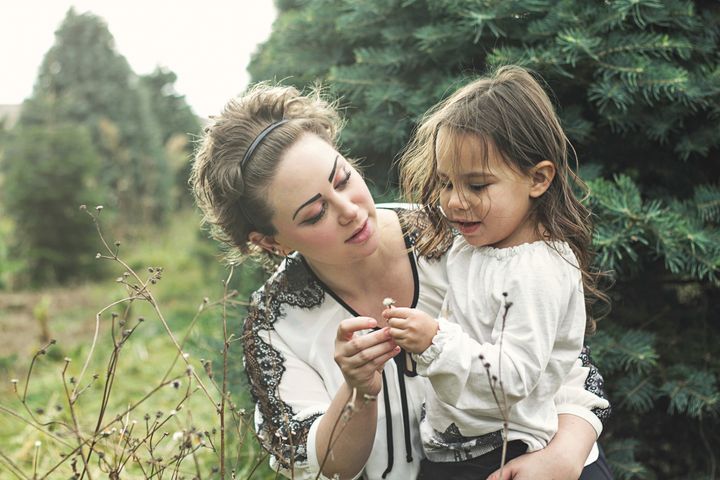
column 266, row 242
column 542, row 175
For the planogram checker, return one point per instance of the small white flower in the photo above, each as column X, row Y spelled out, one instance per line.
column 389, row 302
column 177, row 436
column 38, row 443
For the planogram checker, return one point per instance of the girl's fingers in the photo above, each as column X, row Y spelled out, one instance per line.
column 398, row 323
column 397, row 334
column 397, row 312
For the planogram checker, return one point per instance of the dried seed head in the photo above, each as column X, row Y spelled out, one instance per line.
column 99, row 208
column 389, row 302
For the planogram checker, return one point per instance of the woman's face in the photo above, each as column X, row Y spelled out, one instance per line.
column 322, row 206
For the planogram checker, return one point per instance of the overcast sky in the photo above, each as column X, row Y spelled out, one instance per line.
column 207, row 44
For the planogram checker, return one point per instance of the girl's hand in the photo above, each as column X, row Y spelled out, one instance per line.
column 412, row 329
column 361, row 357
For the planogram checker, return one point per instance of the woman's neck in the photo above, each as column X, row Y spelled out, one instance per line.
column 371, row 274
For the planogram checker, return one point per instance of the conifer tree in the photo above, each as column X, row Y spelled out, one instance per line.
column 52, row 171
column 84, row 80
column 178, row 126
column 637, row 85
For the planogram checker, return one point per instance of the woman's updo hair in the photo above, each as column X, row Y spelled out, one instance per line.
column 232, row 193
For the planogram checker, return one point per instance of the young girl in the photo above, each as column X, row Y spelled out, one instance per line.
column 491, row 161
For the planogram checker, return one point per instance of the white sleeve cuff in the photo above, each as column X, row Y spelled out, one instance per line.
column 582, row 412
column 446, row 330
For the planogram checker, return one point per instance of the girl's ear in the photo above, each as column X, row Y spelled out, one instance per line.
column 542, row 175
column 266, row 242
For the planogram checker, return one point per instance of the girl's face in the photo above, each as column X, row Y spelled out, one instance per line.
column 322, row 206
column 483, row 197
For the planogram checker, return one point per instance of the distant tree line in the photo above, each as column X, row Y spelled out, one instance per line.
column 92, row 132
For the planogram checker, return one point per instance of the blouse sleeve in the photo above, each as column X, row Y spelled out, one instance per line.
column 290, row 396
column 582, row 393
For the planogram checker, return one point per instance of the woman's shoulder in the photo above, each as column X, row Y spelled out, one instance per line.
column 415, row 223
column 292, row 285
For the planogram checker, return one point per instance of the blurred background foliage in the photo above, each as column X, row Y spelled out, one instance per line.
column 636, row 83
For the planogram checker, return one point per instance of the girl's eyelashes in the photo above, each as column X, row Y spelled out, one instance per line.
column 476, row 187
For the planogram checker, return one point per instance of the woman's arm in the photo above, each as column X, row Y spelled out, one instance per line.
column 347, row 429
column 562, row 459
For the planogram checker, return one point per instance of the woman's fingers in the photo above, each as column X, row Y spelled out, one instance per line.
column 368, row 354
column 349, row 326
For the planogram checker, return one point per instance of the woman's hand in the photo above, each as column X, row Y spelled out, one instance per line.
column 538, row 465
column 410, row 328
column 562, row 459
column 361, row 358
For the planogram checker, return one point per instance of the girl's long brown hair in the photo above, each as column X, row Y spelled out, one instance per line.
column 510, row 109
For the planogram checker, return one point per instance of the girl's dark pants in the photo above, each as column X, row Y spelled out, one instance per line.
column 479, row 468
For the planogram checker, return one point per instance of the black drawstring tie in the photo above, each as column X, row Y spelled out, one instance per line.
column 403, row 402
column 388, row 427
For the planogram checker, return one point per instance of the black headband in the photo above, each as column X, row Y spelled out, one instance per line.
column 261, row 136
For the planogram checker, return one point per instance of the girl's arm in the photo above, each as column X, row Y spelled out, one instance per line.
column 455, row 361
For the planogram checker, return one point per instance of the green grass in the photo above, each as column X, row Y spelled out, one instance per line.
column 191, row 272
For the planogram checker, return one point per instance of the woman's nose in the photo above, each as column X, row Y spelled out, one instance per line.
column 347, row 208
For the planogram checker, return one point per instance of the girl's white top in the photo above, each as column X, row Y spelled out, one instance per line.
column 542, row 335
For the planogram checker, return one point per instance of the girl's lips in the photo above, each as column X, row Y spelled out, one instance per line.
column 466, row 228
column 361, row 234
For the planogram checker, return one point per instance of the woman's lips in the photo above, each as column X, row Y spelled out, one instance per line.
column 361, row 234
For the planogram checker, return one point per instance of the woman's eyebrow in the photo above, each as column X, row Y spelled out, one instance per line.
column 317, row 196
column 332, row 172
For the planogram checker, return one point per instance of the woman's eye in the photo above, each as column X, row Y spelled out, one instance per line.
column 445, row 185
column 477, row 187
column 344, row 181
column 316, row 218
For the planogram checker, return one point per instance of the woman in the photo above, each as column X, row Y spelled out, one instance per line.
column 335, row 394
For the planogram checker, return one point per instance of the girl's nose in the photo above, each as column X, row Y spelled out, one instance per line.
column 457, row 200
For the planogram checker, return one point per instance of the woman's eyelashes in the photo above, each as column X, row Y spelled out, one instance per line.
column 323, row 204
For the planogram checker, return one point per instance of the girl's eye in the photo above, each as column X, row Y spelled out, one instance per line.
column 477, row 187
column 344, row 181
column 316, row 218
column 446, row 185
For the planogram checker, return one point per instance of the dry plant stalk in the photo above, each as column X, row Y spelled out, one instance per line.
column 117, row 439
column 496, row 386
